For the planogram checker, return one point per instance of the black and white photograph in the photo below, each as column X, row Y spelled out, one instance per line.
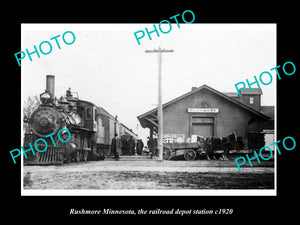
column 131, row 109
column 149, row 111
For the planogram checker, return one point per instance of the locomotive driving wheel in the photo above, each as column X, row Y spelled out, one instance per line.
column 189, row 154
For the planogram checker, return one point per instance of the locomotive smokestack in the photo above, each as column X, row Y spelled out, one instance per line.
column 50, row 85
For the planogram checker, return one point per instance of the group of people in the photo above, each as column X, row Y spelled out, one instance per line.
column 130, row 147
column 125, row 147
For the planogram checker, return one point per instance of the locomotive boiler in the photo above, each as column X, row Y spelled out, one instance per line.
column 91, row 128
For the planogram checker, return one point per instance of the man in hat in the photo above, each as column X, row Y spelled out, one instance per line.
column 131, row 144
column 151, row 146
column 115, row 146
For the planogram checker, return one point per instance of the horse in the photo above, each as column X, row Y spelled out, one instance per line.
column 232, row 141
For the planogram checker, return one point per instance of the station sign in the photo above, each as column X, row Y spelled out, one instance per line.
column 203, row 110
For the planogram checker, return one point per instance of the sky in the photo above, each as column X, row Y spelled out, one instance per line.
column 106, row 66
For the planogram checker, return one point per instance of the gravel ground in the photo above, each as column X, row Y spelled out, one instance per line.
column 150, row 174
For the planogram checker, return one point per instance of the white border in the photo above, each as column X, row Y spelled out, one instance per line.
column 133, row 192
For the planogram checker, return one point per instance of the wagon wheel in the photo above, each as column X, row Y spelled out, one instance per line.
column 167, row 153
column 189, row 154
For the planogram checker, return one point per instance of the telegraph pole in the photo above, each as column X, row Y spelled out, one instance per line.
column 159, row 107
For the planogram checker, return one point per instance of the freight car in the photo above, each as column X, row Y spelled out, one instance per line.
column 91, row 128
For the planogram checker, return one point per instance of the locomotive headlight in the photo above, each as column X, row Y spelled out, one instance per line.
column 45, row 97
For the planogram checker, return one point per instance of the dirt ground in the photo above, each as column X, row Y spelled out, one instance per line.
column 149, row 174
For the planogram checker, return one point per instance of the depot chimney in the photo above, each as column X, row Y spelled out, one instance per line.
column 50, row 85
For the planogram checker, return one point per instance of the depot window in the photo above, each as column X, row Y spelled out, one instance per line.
column 251, row 100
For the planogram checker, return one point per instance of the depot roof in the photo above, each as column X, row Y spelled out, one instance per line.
column 223, row 95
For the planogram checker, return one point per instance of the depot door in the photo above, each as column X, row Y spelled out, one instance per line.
column 203, row 126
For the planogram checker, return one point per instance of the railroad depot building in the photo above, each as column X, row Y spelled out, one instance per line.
column 207, row 112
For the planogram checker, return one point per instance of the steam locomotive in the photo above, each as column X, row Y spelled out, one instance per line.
column 91, row 128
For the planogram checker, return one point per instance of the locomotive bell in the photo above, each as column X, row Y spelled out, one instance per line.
column 63, row 100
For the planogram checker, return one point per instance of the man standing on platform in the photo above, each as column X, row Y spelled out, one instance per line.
column 131, row 145
column 115, row 147
column 139, row 147
column 151, row 146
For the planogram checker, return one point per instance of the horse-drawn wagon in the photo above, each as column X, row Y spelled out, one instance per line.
column 189, row 151
column 209, row 148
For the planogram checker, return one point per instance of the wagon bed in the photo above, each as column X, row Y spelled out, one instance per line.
column 188, row 150
column 191, row 150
